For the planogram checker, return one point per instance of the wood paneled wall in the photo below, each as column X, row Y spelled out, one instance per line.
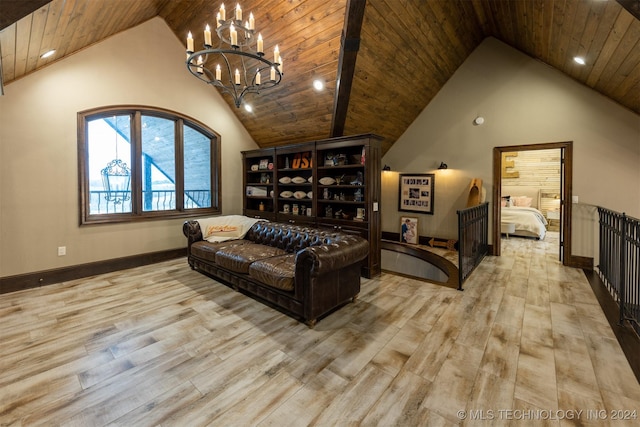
column 538, row 168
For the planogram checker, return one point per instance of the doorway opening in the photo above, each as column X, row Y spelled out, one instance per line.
column 565, row 193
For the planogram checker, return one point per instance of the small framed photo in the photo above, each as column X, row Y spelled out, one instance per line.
column 416, row 193
column 264, row 164
column 409, row 230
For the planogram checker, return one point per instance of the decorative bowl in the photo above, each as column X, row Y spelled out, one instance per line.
column 285, row 180
column 286, row 194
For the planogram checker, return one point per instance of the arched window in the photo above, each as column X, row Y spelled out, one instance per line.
column 140, row 163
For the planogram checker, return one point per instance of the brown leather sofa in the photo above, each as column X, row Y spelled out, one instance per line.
column 305, row 272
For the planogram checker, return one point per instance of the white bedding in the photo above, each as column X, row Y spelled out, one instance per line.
column 528, row 220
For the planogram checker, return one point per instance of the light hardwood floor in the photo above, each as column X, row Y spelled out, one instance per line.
column 525, row 343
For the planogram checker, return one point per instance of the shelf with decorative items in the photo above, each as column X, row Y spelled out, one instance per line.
column 295, row 183
column 259, row 184
column 341, row 184
column 348, row 190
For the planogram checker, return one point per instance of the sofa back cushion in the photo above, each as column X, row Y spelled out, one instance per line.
column 288, row 237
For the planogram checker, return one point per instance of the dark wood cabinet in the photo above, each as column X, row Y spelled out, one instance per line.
column 332, row 183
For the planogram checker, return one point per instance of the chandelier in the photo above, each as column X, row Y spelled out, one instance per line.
column 238, row 65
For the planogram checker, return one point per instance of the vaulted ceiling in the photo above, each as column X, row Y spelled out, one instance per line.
column 393, row 59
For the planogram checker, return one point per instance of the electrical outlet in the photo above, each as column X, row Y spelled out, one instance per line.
column 62, row 250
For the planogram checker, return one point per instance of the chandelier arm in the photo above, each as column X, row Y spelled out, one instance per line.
column 206, row 75
column 234, row 90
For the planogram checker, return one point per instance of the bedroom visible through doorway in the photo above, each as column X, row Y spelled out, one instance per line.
column 531, row 183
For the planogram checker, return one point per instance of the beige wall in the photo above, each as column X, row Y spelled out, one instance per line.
column 38, row 148
column 523, row 101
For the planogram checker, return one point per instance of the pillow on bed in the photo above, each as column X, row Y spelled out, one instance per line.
column 522, row 201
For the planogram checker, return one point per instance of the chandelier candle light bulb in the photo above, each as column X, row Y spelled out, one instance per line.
column 218, row 72
column 260, row 45
column 237, row 76
column 234, row 36
column 189, row 43
column 252, row 22
column 207, row 36
column 273, row 74
column 222, row 14
column 258, row 77
column 200, row 62
column 238, row 12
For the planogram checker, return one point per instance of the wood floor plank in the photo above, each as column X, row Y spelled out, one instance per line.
column 162, row 408
column 401, row 401
column 261, row 402
column 500, row 357
column 356, row 399
column 451, row 389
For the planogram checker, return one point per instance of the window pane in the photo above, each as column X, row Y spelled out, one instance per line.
column 197, row 169
column 109, row 160
column 158, row 164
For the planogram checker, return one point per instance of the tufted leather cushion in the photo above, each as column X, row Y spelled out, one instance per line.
column 278, row 271
column 290, row 238
column 239, row 258
column 207, row 250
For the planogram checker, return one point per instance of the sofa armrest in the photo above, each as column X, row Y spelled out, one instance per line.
column 191, row 230
column 333, row 256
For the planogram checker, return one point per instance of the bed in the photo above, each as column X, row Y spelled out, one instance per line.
column 520, row 207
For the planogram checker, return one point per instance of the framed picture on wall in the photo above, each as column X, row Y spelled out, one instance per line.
column 416, row 193
column 409, row 230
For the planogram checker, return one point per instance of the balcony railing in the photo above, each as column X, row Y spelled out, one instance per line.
column 109, row 202
column 619, row 262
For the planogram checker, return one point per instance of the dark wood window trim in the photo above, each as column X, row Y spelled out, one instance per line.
column 136, row 112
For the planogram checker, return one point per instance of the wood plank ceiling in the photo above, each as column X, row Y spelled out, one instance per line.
column 407, row 51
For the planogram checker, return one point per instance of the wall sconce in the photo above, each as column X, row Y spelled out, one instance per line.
column 386, row 168
column 443, row 166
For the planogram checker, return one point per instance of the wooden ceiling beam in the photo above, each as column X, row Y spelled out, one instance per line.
column 13, row 10
column 632, row 6
column 349, row 46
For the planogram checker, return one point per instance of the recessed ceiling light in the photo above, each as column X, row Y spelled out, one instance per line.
column 48, row 53
column 579, row 60
column 318, row 85
column 248, row 107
